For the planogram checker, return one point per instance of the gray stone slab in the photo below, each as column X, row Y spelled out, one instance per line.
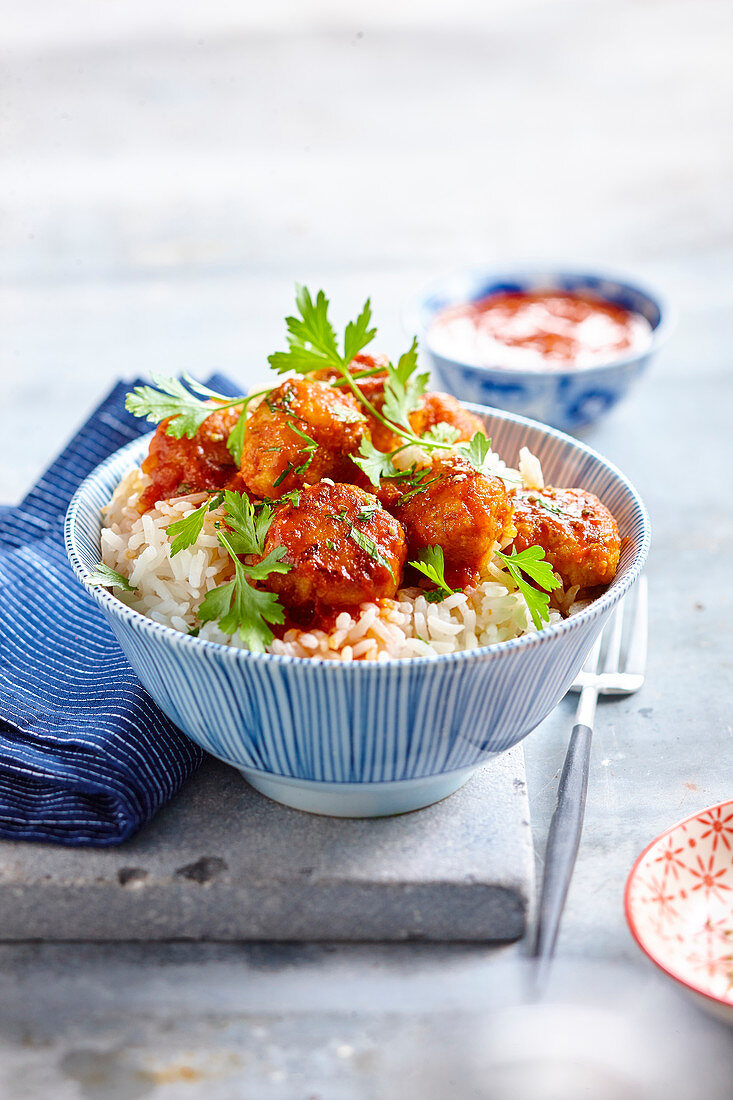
column 224, row 863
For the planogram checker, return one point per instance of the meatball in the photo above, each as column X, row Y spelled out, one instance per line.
column 371, row 385
column 178, row 466
column 442, row 408
column 277, row 459
column 460, row 509
column 434, row 408
column 343, row 547
column 577, row 532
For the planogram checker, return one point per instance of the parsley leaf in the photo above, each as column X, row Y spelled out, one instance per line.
column 235, row 442
column 403, row 388
column 186, row 531
column 313, row 328
column 431, row 563
column 312, row 343
column 477, row 452
column 109, row 578
column 441, row 433
column 239, row 607
column 170, row 398
column 249, row 525
column 216, row 603
column 532, row 562
column 358, row 334
column 375, row 464
column 548, row 506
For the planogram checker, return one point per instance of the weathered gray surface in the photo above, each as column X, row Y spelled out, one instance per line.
column 168, row 172
column 224, row 863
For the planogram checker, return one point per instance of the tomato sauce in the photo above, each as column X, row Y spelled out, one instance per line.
column 539, row 329
column 201, row 464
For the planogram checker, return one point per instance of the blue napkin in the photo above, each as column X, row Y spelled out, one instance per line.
column 86, row 757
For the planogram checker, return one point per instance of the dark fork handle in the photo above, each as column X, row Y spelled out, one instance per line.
column 563, row 841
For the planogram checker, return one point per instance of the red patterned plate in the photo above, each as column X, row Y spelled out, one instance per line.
column 679, row 905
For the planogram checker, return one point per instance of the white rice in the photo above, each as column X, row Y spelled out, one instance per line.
column 169, row 590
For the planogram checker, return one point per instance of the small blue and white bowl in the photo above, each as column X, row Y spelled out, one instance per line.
column 365, row 739
column 569, row 399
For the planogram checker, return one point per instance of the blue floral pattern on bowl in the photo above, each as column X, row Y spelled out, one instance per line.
column 566, row 399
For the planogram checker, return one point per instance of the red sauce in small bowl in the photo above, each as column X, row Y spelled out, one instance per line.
column 549, row 330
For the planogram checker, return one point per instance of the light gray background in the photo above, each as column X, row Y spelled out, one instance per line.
column 168, row 171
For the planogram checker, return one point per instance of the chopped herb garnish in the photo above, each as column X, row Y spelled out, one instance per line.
column 369, row 546
column 363, row 541
column 420, row 483
column 532, row 563
column 547, row 505
column 109, row 578
column 194, row 631
column 431, row 563
column 330, row 544
column 367, row 513
column 281, row 477
column 310, row 447
column 293, row 497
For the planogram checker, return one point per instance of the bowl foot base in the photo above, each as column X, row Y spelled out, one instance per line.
column 357, row 799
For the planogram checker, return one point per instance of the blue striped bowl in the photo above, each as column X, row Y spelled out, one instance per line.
column 567, row 399
column 366, row 739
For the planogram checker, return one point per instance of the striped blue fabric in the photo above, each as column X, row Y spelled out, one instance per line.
column 86, row 757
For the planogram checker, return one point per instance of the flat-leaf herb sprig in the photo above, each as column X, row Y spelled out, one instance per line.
column 431, row 563
column 106, row 577
column 531, row 562
column 313, row 347
column 238, row 606
column 187, row 407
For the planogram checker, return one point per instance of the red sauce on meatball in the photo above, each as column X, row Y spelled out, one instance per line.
column 180, row 466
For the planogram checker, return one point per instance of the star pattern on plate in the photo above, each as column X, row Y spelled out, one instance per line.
column 679, row 902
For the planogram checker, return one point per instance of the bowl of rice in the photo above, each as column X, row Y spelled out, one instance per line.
column 394, row 706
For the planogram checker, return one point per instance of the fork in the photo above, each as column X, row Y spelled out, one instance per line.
column 566, row 826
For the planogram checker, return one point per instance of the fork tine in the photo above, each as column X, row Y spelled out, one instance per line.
column 614, row 631
column 636, row 658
